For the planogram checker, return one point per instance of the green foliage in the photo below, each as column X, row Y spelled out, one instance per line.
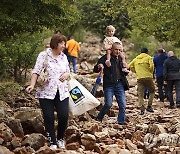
column 99, row 14
column 22, row 27
column 159, row 18
column 19, row 54
column 9, row 89
column 33, row 15
column 149, row 42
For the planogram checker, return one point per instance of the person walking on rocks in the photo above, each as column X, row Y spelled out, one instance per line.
column 114, row 83
column 108, row 41
column 171, row 74
column 73, row 49
column 158, row 64
column 143, row 66
column 54, row 94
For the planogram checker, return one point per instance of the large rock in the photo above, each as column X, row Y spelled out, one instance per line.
column 4, row 150
column 113, row 148
column 73, row 146
column 124, row 151
column 142, row 127
column 34, row 140
column 132, row 82
column 88, row 140
column 137, row 136
column 5, row 110
column 102, row 135
column 16, row 142
column 130, row 145
column 46, row 150
column 24, row 150
column 6, row 133
column 156, row 129
column 15, row 126
column 31, row 120
column 90, row 128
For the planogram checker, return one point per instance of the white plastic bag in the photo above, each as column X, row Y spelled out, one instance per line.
column 80, row 100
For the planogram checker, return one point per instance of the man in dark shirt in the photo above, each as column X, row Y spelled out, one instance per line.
column 158, row 65
column 114, row 83
column 171, row 74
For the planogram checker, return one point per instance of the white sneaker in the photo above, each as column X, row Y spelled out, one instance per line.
column 53, row 147
column 61, row 144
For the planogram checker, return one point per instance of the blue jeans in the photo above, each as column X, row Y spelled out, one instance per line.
column 74, row 61
column 109, row 92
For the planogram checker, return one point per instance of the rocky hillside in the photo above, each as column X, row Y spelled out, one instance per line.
column 22, row 131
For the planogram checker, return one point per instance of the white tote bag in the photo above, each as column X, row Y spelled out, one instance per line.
column 80, row 100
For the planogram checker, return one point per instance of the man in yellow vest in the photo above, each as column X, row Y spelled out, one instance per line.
column 73, row 49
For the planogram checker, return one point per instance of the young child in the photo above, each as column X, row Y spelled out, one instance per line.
column 108, row 41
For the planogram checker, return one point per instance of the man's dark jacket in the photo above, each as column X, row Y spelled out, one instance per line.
column 171, row 68
column 158, row 63
column 110, row 74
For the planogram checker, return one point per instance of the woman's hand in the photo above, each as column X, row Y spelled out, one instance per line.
column 29, row 88
column 64, row 77
column 32, row 84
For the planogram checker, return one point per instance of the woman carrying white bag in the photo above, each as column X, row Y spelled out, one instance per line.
column 54, row 92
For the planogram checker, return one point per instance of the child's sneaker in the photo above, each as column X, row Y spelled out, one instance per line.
column 61, row 144
column 108, row 63
column 53, row 147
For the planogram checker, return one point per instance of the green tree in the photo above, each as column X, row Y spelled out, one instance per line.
column 19, row 54
column 21, row 16
column 97, row 14
column 23, row 27
column 159, row 18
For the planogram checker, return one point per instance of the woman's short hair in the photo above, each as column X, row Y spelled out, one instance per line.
column 110, row 27
column 57, row 38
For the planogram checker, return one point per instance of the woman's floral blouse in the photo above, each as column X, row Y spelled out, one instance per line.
column 55, row 68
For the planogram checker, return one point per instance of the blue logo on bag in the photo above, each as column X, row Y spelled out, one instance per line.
column 76, row 94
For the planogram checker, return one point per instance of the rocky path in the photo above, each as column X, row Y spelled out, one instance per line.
column 22, row 131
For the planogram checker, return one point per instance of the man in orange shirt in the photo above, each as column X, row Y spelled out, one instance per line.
column 73, row 49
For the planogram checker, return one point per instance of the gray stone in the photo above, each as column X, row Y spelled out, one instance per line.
column 15, row 126
column 31, row 120
column 4, row 150
column 34, row 140
column 6, row 133
column 130, row 145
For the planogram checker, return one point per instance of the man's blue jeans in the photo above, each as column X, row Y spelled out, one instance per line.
column 109, row 92
column 74, row 61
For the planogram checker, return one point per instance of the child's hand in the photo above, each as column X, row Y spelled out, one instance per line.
column 100, row 67
column 108, row 63
column 122, row 56
column 125, row 64
column 125, row 70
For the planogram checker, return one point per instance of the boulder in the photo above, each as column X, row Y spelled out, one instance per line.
column 6, row 133
column 31, row 120
column 34, row 140
column 15, row 126
column 4, row 150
